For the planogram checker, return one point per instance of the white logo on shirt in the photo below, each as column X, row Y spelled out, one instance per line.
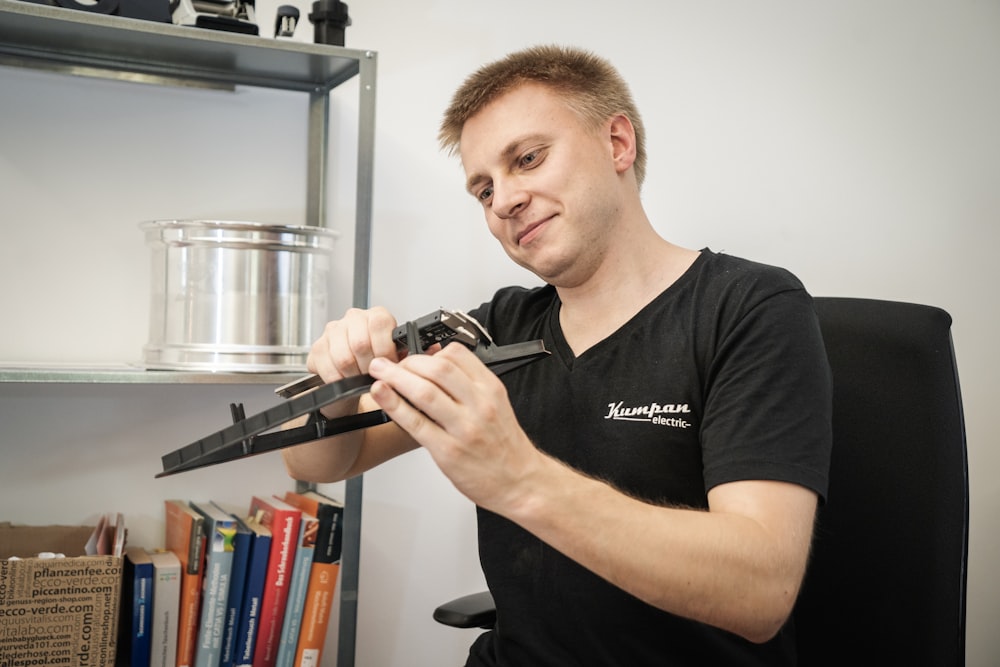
column 653, row 413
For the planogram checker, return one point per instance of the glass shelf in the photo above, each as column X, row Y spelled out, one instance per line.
column 131, row 374
column 80, row 42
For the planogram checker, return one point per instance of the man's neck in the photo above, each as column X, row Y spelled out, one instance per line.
column 625, row 283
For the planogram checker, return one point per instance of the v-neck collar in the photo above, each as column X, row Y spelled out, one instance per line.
column 561, row 346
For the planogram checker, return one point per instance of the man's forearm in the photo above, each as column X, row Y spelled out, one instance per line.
column 326, row 460
column 346, row 455
column 737, row 566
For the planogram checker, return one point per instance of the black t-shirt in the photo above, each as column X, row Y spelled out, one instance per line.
column 722, row 377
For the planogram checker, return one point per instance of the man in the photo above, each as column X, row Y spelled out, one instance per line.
column 646, row 494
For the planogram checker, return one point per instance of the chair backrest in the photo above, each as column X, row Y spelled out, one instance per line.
column 887, row 577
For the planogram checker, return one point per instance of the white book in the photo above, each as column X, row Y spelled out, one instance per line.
column 166, row 608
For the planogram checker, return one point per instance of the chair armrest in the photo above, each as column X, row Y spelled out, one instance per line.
column 470, row 611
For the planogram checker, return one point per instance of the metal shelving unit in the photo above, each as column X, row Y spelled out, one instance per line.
column 89, row 44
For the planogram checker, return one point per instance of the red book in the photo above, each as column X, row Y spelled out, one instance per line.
column 185, row 538
column 283, row 521
column 323, row 576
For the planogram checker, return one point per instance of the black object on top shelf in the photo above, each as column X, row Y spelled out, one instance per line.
column 146, row 10
column 285, row 21
column 330, row 21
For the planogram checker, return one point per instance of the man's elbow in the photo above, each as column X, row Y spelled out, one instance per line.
column 770, row 617
column 762, row 632
column 304, row 469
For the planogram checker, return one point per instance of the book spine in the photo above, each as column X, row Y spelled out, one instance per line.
column 275, row 597
column 284, row 530
column 316, row 614
column 220, row 532
column 187, row 627
column 185, row 537
column 322, row 586
column 246, row 632
column 143, row 601
column 166, row 604
column 237, row 585
column 213, row 611
column 139, row 589
column 297, row 591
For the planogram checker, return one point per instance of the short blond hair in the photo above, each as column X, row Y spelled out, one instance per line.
column 591, row 86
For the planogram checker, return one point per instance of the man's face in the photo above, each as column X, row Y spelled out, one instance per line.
column 545, row 180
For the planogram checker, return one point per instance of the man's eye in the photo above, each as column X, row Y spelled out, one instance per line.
column 529, row 158
column 485, row 194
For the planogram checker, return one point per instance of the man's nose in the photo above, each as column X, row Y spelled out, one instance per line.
column 509, row 198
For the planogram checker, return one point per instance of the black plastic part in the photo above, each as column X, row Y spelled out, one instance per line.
column 441, row 326
column 218, row 447
column 470, row 611
column 226, row 24
column 415, row 337
column 286, row 19
column 247, row 436
column 330, row 19
column 503, row 358
column 146, row 10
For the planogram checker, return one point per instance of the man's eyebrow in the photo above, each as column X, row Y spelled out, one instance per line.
column 507, row 154
column 475, row 179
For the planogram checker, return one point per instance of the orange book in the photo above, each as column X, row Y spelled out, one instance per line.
column 322, row 576
column 185, row 537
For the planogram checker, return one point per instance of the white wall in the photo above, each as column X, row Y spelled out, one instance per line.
column 855, row 143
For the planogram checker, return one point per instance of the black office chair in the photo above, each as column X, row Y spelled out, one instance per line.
column 886, row 580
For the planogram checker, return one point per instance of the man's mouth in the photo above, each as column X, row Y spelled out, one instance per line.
column 530, row 232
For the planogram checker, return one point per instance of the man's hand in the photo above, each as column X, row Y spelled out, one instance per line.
column 458, row 410
column 346, row 349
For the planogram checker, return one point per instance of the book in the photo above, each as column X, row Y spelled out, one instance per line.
column 185, row 537
column 323, row 574
column 305, row 546
column 98, row 544
column 219, row 530
column 166, row 608
column 242, row 544
column 283, row 520
column 108, row 538
column 249, row 615
column 119, row 535
column 137, row 607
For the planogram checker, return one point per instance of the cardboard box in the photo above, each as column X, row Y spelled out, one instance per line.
column 60, row 611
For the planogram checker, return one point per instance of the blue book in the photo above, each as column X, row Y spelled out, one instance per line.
column 249, row 619
column 220, row 534
column 242, row 544
column 289, row 641
column 137, row 597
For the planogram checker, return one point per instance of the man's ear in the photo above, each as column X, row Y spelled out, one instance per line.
column 622, row 136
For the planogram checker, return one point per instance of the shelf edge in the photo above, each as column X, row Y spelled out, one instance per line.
column 127, row 374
